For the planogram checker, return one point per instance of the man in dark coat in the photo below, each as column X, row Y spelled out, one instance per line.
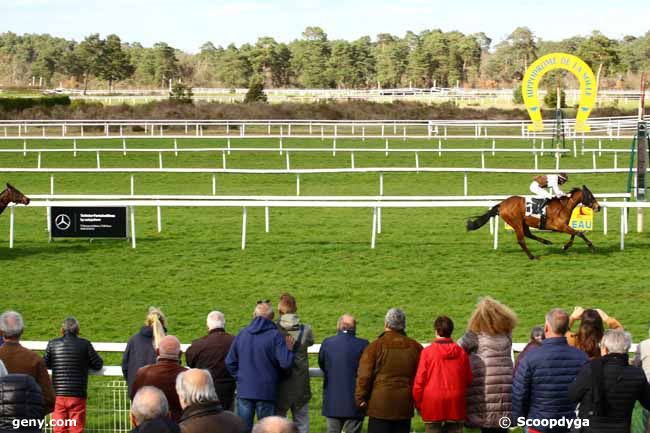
column 210, row 353
column 202, row 412
column 163, row 374
column 540, row 387
column 21, row 400
column 18, row 359
column 339, row 359
column 608, row 387
column 150, row 412
column 70, row 358
column 385, row 377
column 256, row 358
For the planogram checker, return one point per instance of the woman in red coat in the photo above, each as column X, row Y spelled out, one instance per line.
column 441, row 381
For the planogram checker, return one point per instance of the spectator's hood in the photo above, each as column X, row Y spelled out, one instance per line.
column 448, row 349
column 289, row 321
column 260, row 325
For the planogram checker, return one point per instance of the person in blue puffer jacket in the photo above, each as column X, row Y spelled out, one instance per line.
column 541, row 384
column 257, row 357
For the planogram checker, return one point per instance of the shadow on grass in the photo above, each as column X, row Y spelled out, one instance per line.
column 19, row 252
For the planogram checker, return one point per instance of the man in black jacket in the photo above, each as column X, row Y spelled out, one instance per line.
column 608, row 387
column 21, row 404
column 70, row 357
column 210, row 353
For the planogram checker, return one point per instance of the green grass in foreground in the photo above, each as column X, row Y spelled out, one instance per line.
column 424, row 262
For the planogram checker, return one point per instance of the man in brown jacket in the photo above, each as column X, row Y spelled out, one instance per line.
column 17, row 359
column 202, row 412
column 210, row 352
column 163, row 374
column 385, row 378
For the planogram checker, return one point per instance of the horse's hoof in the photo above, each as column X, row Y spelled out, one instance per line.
column 566, row 247
column 534, row 257
column 592, row 249
column 548, row 243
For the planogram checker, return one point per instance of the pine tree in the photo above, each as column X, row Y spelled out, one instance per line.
column 255, row 91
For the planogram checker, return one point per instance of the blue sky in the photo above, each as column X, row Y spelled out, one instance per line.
column 189, row 23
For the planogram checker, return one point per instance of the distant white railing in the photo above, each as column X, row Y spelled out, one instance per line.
column 433, row 94
column 412, row 129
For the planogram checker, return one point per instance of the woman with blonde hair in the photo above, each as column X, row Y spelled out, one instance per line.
column 141, row 348
column 488, row 342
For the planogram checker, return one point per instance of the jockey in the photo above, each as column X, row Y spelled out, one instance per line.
column 552, row 181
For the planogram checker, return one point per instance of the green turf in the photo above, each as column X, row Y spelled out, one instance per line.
column 424, row 262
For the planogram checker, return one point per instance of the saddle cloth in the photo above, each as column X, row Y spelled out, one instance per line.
column 535, row 207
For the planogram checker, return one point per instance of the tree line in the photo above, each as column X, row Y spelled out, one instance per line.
column 425, row 59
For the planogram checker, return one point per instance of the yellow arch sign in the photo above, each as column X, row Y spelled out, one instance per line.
column 550, row 62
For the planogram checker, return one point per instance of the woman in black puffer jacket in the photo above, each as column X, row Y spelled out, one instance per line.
column 21, row 399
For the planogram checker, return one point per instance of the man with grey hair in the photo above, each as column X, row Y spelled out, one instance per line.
column 275, row 424
column 163, row 373
column 150, row 412
column 18, row 359
column 608, row 387
column 339, row 359
column 541, row 383
column 209, row 352
column 256, row 358
column 202, row 412
column 385, row 377
column 70, row 357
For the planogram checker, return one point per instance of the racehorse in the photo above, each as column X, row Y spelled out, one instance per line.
column 558, row 214
column 12, row 195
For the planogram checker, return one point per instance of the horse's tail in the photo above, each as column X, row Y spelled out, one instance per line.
column 479, row 221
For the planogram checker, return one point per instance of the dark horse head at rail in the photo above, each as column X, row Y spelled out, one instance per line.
column 12, row 195
column 558, row 214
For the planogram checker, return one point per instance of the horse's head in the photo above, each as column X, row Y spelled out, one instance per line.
column 589, row 200
column 16, row 196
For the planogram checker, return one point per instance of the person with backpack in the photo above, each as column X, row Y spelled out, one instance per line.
column 294, row 391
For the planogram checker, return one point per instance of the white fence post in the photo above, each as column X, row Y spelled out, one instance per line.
column 132, row 226
column 465, row 187
column 266, row 219
column 496, row 232
column 605, row 217
column 374, row 227
column 11, row 227
column 159, row 218
column 243, row 230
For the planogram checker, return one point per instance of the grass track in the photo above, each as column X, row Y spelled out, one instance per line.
column 425, row 262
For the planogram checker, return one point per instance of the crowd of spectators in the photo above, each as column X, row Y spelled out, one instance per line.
column 563, row 381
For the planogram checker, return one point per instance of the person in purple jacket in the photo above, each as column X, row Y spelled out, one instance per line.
column 256, row 359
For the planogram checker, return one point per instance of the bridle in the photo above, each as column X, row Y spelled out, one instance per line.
column 591, row 198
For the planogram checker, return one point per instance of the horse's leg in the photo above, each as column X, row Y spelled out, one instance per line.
column 519, row 231
column 568, row 244
column 574, row 233
column 530, row 235
column 587, row 241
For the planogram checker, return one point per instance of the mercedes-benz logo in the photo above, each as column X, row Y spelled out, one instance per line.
column 62, row 222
